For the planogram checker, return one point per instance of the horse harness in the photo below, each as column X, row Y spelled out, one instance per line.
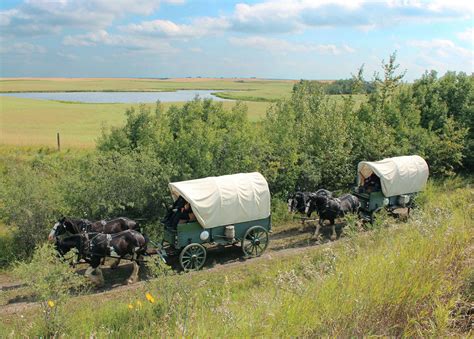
column 326, row 206
column 108, row 239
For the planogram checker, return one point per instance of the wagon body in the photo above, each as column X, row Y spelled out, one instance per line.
column 189, row 233
column 399, row 180
column 229, row 210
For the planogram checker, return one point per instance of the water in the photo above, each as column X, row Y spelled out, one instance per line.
column 119, row 97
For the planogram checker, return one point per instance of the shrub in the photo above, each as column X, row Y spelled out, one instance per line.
column 51, row 281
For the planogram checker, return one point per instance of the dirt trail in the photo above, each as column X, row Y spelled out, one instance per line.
column 285, row 241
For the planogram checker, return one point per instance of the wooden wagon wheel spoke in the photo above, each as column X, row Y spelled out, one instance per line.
column 192, row 257
column 248, row 248
column 255, row 241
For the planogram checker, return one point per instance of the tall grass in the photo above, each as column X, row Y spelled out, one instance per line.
column 398, row 280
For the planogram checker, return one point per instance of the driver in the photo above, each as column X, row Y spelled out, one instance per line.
column 186, row 214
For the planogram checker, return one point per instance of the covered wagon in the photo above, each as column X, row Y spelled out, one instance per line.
column 390, row 183
column 225, row 210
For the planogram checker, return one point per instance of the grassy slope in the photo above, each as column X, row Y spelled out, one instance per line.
column 397, row 280
column 36, row 122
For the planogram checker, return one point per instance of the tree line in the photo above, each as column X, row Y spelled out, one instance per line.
column 308, row 141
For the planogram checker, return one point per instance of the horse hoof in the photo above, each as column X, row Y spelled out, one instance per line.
column 131, row 281
column 333, row 237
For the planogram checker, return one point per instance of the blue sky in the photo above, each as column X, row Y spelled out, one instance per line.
column 310, row 39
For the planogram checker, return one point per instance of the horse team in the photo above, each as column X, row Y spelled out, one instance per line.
column 121, row 237
column 325, row 205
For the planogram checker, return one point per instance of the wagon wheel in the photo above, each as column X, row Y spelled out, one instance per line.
column 192, row 257
column 255, row 241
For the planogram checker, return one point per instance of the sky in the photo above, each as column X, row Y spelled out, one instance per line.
column 304, row 39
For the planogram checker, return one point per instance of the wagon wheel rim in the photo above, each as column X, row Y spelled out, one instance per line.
column 255, row 241
column 192, row 257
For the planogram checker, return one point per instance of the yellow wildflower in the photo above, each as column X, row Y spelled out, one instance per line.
column 51, row 303
column 130, row 306
column 139, row 303
column 149, row 297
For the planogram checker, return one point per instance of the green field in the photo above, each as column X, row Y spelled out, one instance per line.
column 30, row 122
column 35, row 122
column 245, row 89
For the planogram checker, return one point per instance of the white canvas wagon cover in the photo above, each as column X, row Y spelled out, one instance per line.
column 398, row 175
column 225, row 200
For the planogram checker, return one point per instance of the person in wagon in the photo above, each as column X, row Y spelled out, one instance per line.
column 186, row 214
column 372, row 183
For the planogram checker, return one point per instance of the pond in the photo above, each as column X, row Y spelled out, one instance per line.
column 119, row 97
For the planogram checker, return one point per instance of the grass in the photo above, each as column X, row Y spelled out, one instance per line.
column 400, row 279
column 29, row 122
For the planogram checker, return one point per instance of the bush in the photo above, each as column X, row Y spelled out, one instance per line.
column 51, row 281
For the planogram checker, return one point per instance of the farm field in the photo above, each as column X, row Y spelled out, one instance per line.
column 32, row 122
column 397, row 279
column 244, row 89
column 29, row 122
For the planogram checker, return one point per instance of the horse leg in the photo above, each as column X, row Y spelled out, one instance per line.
column 134, row 276
column 115, row 264
column 334, row 234
column 94, row 273
column 318, row 226
column 100, row 277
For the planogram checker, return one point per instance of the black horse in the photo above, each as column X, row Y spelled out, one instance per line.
column 76, row 226
column 329, row 208
column 299, row 201
column 94, row 246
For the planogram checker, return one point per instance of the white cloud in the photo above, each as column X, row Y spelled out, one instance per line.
column 68, row 56
column 467, row 35
column 442, row 47
column 296, row 15
column 289, row 16
column 102, row 37
column 284, row 46
column 165, row 28
column 46, row 16
column 21, row 48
